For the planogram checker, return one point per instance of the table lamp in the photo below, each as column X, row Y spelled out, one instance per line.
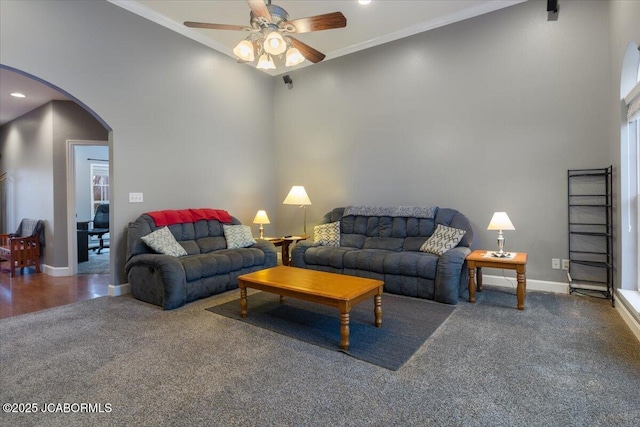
column 298, row 196
column 500, row 221
column 261, row 218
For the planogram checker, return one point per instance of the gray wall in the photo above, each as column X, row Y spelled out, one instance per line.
column 27, row 151
column 190, row 127
column 484, row 115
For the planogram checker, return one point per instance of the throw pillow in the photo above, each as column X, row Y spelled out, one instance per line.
column 443, row 239
column 327, row 234
column 162, row 241
column 238, row 236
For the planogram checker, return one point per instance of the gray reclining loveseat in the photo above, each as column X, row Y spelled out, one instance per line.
column 206, row 267
column 385, row 244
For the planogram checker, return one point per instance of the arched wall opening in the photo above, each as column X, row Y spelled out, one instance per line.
column 49, row 171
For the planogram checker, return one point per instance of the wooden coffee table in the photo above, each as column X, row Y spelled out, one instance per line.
column 335, row 290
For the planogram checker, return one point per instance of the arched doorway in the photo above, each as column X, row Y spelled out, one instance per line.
column 44, row 172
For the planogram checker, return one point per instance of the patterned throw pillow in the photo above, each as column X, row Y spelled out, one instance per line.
column 443, row 239
column 238, row 236
column 162, row 241
column 327, row 234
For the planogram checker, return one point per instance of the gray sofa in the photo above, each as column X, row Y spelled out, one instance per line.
column 207, row 269
column 387, row 247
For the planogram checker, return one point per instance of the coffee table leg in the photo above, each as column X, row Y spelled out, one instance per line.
column 344, row 330
column 377, row 309
column 243, row 302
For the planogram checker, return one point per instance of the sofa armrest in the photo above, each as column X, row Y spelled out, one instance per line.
column 158, row 279
column 270, row 252
column 450, row 275
column 265, row 246
column 297, row 253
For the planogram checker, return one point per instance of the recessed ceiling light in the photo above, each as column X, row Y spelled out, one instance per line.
column 364, row 1
column 18, row 95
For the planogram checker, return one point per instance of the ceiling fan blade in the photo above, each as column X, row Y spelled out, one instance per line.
column 317, row 23
column 217, row 26
column 307, row 51
column 259, row 9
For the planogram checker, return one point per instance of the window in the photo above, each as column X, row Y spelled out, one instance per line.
column 99, row 190
column 630, row 172
column 99, row 185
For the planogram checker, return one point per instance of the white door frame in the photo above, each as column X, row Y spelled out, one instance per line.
column 72, row 235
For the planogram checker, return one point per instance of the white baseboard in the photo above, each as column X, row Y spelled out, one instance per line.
column 56, row 271
column 117, row 290
column 628, row 306
column 532, row 284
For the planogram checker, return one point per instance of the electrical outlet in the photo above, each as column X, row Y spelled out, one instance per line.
column 565, row 264
column 555, row 263
column 136, row 198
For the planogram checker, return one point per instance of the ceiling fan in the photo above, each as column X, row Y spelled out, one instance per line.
column 268, row 25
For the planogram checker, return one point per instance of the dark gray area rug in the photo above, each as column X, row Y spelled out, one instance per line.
column 97, row 263
column 406, row 324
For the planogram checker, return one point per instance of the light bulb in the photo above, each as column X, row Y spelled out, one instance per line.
column 294, row 57
column 274, row 43
column 265, row 62
column 244, row 51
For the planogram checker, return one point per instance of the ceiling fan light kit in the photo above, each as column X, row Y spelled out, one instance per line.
column 266, row 62
column 274, row 43
column 268, row 24
column 244, row 51
column 294, row 57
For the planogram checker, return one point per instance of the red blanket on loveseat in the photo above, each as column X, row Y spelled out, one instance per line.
column 181, row 216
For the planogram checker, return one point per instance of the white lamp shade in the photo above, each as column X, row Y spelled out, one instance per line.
column 244, row 51
column 274, row 43
column 500, row 221
column 261, row 218
column 294, row 57
column 265, row 62
column 297, row 196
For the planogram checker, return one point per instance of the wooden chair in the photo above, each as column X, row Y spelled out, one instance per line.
column 23, row 250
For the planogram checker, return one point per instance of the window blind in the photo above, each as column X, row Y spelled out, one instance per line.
column 633, row 103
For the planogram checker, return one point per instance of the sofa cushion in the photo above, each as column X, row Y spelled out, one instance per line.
column 387, row 243
column 332, row 256
column 327, row 234
column 238, row 236
column 443, row 239
column 352, row 240
column 413, row 264
column 366, row 259
column 162, row 241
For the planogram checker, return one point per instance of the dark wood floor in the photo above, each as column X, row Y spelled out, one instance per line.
column 33, row 292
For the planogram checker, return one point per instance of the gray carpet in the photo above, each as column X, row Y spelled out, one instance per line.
column 564, row 361
column 406, row 324
column 97, row 263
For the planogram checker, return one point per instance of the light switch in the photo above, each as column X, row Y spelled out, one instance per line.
column 135, row 198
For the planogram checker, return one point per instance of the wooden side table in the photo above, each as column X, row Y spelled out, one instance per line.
column 482, row 258
column 285, row 242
